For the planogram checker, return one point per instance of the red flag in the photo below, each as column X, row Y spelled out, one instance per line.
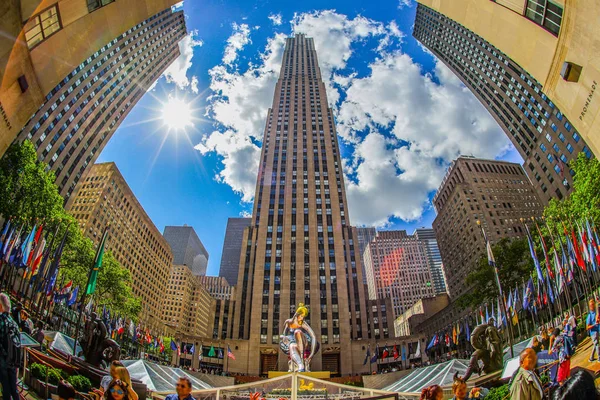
column 577, row 249
column 396, row 355
column 386, row 353
column 34, row 245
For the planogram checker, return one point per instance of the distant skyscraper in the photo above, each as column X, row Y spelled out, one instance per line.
column 365, row 235
column 397, row 267
column 498, row 194
column 187, row 248
column 544, row 137
column 300, row 247
column 103, row 197
column 232, row 247
column 434, row 257
column 74, row 93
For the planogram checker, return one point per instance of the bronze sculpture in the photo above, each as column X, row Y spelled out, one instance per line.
column 98, row 348
column 487, row 356
column 296, row 340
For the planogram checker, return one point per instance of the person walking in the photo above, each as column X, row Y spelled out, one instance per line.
column 593, row 328
column 526, row 385
column 10, row 350
column 183, row 389
column 562, row 347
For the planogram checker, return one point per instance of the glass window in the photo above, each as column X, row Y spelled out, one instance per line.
column 42, row 26
column 576, row 137
column 569, row 147
column 96, row 4
column 587, row 152
column 546, row 13
column 543, row 147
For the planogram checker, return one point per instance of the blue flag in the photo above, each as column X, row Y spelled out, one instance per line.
column 173, row 345
column 193, row 349
column 467, row 331
column 367, row 356
column 374, row 358
column 73, row 297
column 528, row 294
column 538, row 268
column 431, row 344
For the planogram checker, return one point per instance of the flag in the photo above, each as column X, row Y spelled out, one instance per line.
column 577, row 251
column 550, row 292
column 538, row 268
column 91, row 288
column 467, row 331
column 73, row 297
column 4, row 233
column 220, row 352
column 26, row 248
column 7, row 242
column 395, row 354
column 447, row 340
column 404, row 349
column 200, row 352
column 487, row 316
column 368, row 355
column 13, row 244
column 545, row 251
column 418, row 351
column 37, row 256
column 454, row 334
column 193, row 349
column 559, row 272
column 231, row 355
column 131, row 328
column 375, row 354
column 386, row 353
column 429, row 346
column 174, row 346
column 53, row 271
column 592, row 247
column 211, row 352
column 34, row 247
column 161, row 345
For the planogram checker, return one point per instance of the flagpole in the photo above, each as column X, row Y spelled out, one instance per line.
column 510, row 333
column 83, row 297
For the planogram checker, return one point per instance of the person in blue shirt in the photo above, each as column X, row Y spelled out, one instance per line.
column 593, row 327
column 183, row 389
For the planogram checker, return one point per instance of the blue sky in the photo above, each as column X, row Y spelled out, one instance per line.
column 401, row 115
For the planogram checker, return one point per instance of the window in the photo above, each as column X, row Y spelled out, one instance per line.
column 546, row 13
column 96, row 4
column 42, row 26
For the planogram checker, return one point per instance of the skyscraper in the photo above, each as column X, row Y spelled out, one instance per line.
column 364, row 236
column 232, row 247
column 187, row 248
column 300, row 247
column 433, row 257
column 397, row 267
column 556, row 41
column 544, row 137
column 104, row 197
column 74, row 93
column 498, row 194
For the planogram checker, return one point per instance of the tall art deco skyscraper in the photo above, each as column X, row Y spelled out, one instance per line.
column 300, row 247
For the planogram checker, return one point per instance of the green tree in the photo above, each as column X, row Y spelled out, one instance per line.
column 27, row 188
column 114, row 282
column 514, row 266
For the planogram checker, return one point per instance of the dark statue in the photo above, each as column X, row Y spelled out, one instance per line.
column 487, row 356
column 98, row 349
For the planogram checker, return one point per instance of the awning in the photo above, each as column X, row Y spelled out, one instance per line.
column 438, row 374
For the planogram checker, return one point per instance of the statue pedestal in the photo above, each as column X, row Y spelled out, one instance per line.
column 312, row 374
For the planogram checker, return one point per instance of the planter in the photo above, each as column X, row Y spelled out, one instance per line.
column 40, row 387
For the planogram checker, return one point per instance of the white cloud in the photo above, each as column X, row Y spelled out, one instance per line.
column 239, row 104
column 430, row 125
column 236, row 42
column 178, row 70
column 275, row 19
column 404, row 3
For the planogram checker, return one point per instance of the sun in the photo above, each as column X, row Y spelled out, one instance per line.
column 177, row 114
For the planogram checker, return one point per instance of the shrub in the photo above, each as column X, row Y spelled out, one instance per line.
column 54, row 376
column 498, row 393
column 38, row 371
column 81, row 383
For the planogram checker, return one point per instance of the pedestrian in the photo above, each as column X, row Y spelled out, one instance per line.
column 562, row 348
column 65, row 391
column 593, row 328
column 571, row 327
column 38, row 333
column 578, row 387
column 183, row 389
column 10, row 350
column 117, row 390
column 525, row 384
column 107, row 379
column 536, row 345
column 26, row 324
column 433, row 392
column 16, row 313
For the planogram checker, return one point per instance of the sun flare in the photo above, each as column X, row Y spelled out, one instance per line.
column 177, row 114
